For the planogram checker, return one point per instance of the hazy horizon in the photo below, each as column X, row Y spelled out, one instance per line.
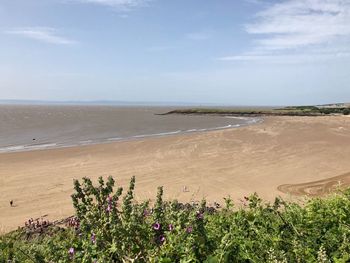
column 143, row 103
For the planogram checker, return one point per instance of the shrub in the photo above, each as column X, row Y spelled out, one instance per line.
column 111, row 227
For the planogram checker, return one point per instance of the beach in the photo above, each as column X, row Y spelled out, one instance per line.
column 282, row 156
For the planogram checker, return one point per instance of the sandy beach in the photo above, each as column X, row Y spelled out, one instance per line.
column 281, row 156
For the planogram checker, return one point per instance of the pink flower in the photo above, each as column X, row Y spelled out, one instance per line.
column 171, row 227
column 109, row 206
column 156, row 226
column 71, row 252
column 93, row 238
column 200, row 215
column 145, row 213
column 189, row 229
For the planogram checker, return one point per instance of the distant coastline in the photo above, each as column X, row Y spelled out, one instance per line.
column 321, row 110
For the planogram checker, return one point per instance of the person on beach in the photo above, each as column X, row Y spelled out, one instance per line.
column 11, row 203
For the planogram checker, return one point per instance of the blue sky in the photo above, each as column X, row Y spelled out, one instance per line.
column 240, row 52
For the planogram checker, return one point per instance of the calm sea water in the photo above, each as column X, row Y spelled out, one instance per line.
column 24, row 127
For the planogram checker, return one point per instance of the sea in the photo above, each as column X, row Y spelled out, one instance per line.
column 37, row 127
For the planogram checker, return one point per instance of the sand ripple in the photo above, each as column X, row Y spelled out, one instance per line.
column 316, row 188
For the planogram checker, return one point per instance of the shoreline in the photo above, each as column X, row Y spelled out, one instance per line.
column 213, row 165
column 57, row 145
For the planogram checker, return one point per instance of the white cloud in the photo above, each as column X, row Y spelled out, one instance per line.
column 298, row 23
column 288, row 58
column 44, row 34
column 299, row 26
column 119, row 4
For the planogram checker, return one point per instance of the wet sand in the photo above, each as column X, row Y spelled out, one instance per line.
column 283, row 156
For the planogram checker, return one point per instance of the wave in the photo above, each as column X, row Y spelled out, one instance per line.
column 191, row 130
column 23, row 148
column 156, row 134
column 12, row 148
column 85, row 142
column 115, row 139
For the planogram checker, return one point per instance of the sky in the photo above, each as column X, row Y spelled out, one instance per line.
column 237, row 52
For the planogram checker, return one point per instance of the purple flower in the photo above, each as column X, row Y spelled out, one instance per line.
column 162, row 239
column 145, row 213
column 156, row 226
column 109, row 208
column 200, row 215
column 171, row 227
column 71, row 252
column 93, row 238
column 189, row 229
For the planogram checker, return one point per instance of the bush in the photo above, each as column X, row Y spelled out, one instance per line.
column 110, row 227
column 346, row 111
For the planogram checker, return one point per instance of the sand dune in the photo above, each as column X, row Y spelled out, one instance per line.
column 277, row 157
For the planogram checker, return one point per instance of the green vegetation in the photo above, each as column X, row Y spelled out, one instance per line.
column 287, row 111
column 346, row 111
column 110, row 227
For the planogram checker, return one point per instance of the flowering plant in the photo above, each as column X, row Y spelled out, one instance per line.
column 111, row 227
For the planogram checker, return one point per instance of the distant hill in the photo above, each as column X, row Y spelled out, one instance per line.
column 334, row 105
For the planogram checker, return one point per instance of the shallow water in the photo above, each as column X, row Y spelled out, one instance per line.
column 30, row 127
